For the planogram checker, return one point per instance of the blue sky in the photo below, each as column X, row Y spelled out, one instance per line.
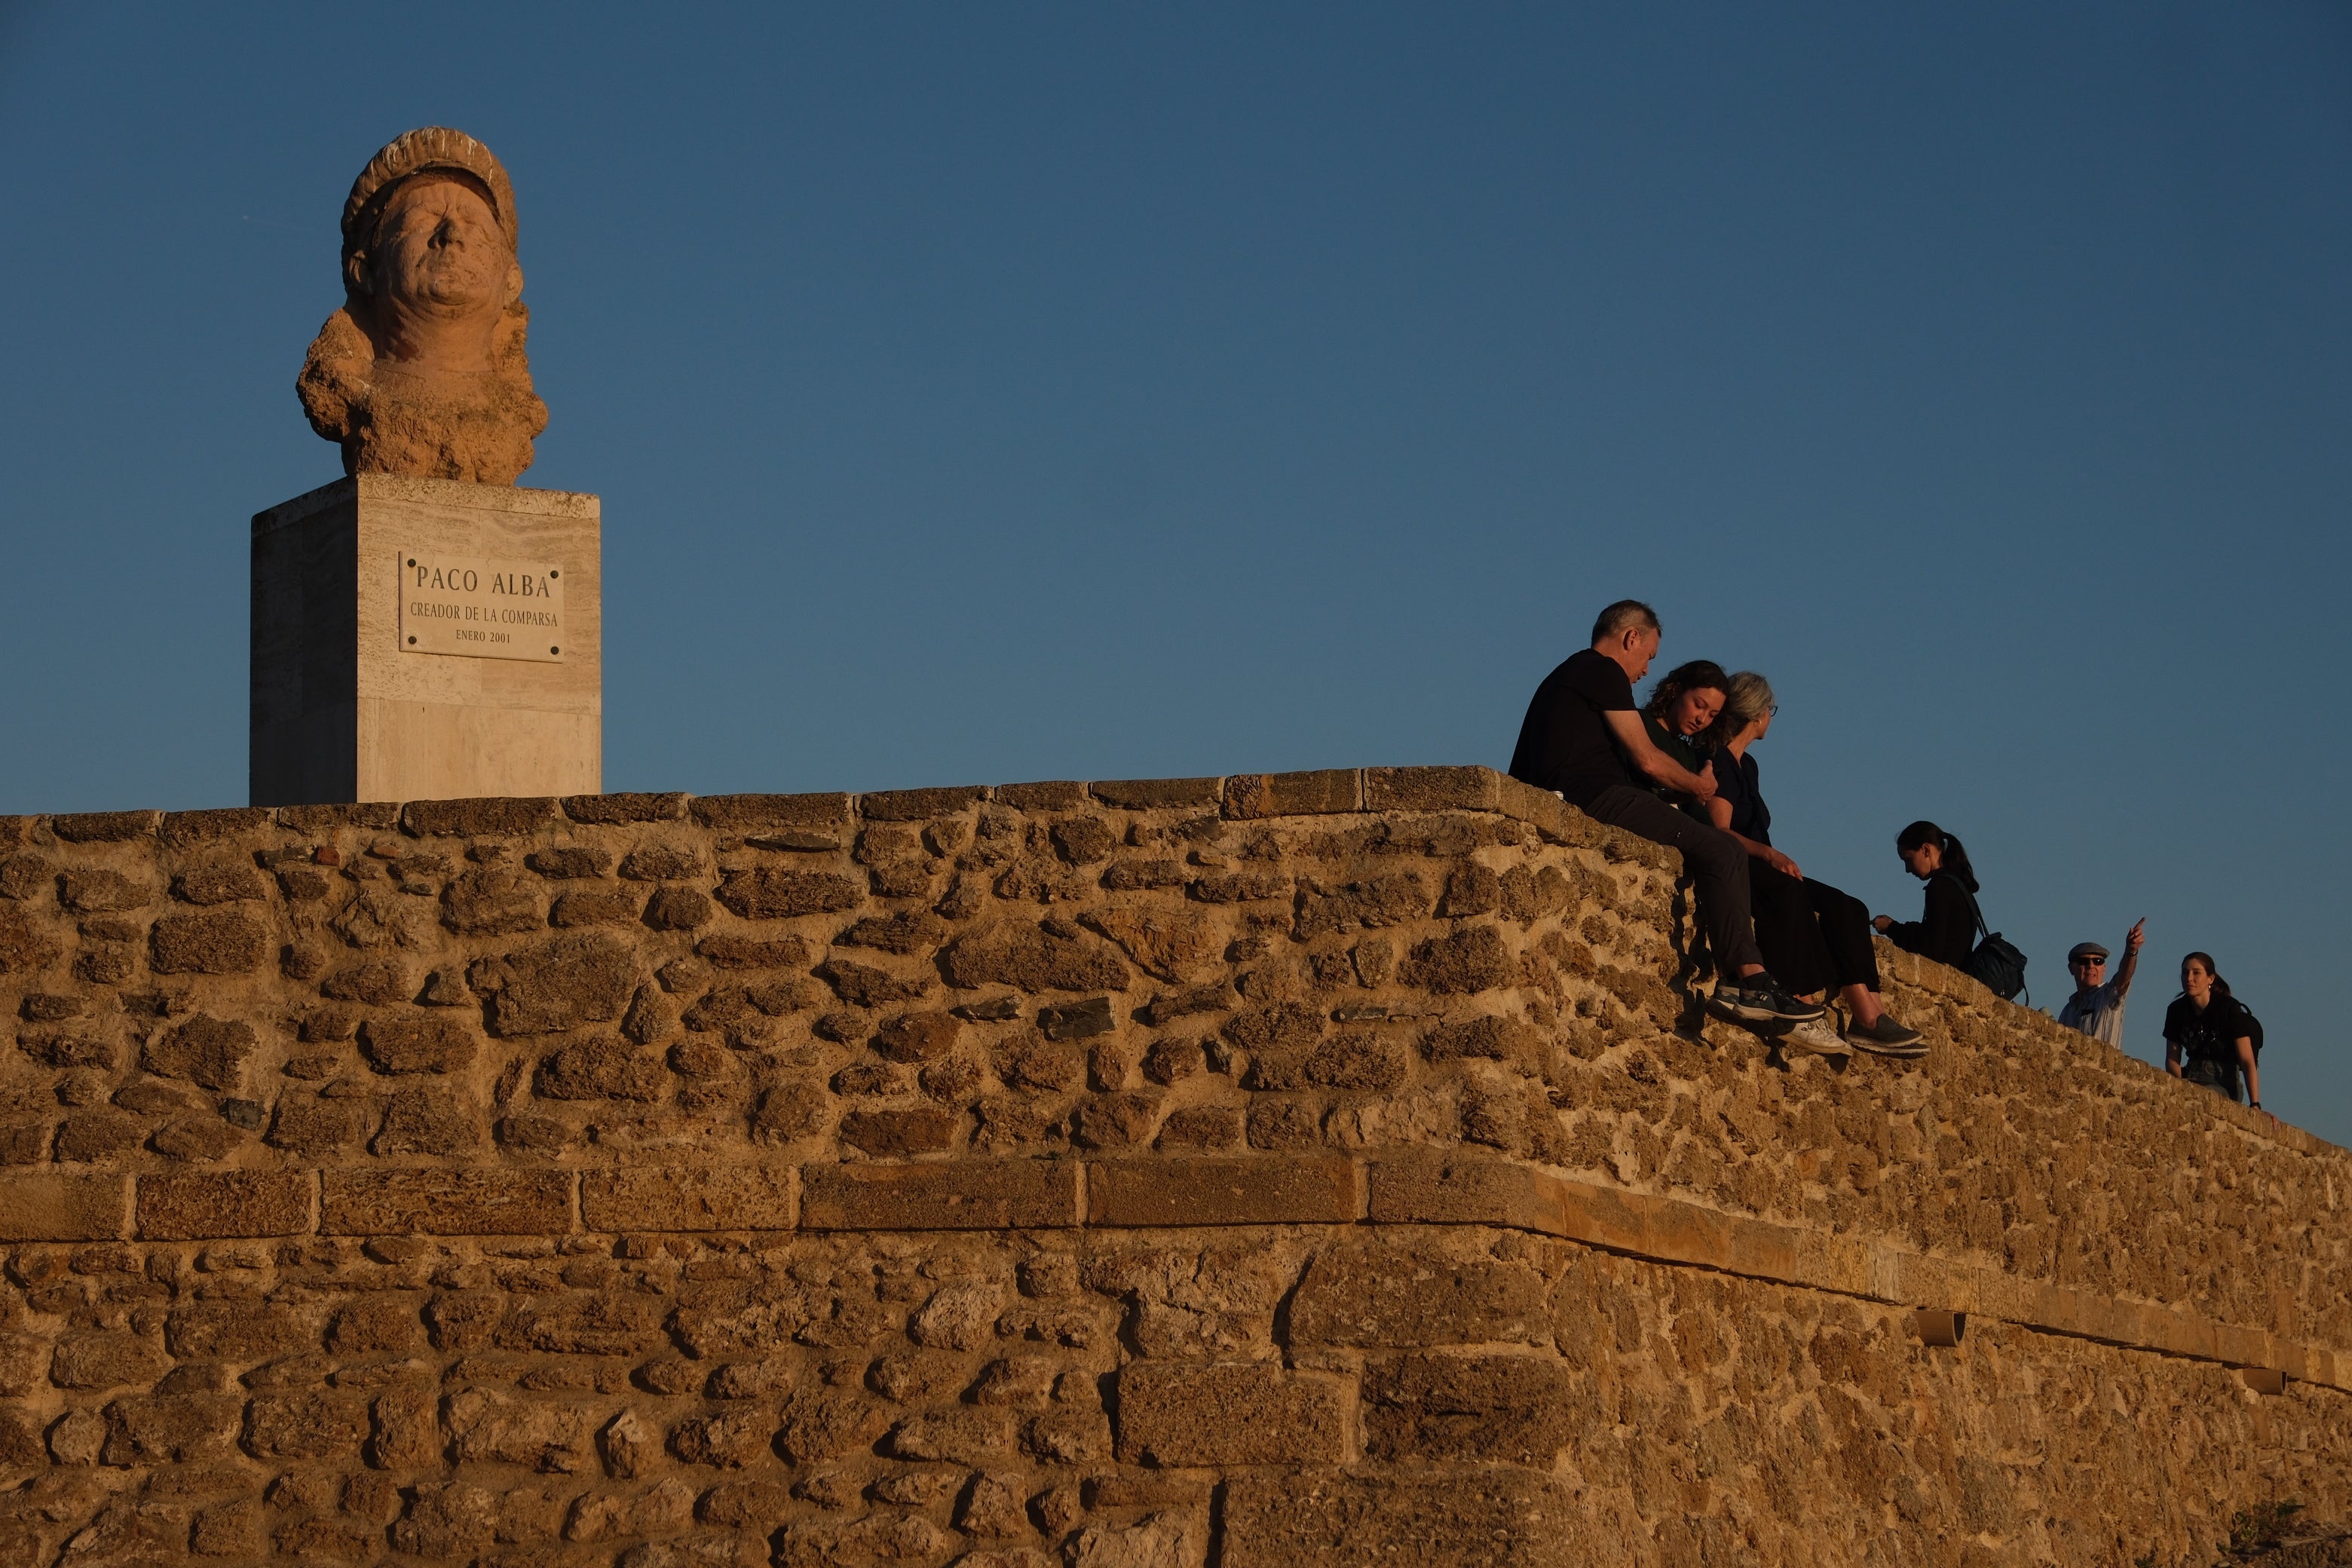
column 983, row 394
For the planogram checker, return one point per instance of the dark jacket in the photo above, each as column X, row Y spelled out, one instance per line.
column 1947, row 932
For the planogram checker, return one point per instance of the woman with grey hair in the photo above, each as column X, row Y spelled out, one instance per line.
column 1815, row 937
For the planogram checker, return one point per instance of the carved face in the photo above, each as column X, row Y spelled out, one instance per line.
column 439, row 254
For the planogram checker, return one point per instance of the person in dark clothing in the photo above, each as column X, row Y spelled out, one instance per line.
column 1683, row 703
column 2208, row 1035
column 1814, row 937
column 1581, row 732
column 1946, row 932
column 1681, row 707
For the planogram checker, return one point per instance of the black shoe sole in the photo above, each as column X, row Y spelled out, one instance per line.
column 1767, row 1014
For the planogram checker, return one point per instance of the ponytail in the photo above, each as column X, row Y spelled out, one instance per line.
column 1955, row 857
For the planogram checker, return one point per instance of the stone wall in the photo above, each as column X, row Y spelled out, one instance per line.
column 1303, row 1169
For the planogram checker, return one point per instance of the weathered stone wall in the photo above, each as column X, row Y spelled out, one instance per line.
column 1289, row 1169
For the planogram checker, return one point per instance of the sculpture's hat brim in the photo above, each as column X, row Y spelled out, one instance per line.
column 431, row 147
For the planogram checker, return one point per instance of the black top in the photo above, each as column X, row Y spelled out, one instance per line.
column 1735, row 783
column 2210, row 1034
column 1683, row 749
column 1947, row 932
column 1564, row 743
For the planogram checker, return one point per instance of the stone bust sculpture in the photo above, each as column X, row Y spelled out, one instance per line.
column 421, row 371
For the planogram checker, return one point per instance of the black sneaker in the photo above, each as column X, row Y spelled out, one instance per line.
column 1758, row 999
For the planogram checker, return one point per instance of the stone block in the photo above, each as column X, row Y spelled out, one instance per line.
column 1251, row 1413
column 1158, row 794
column 1447, row 1188
column 208, row 1205
column 1432, row 789
column 63, row 1208
column 1272, row 1189
column 1464, row 1519
column 768, row 812
column 217, row 941
column 1483, row 1409
column 1059, row 795
column 915, row 804
column 106, row 827
column 610, row 810
column 446, row 1203
column 1322, row 792
column 955, row 1195
column 689, row 1198
column 1386, row 1294
column 500, row 817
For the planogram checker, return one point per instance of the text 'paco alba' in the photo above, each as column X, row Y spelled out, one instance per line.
column 466, row 580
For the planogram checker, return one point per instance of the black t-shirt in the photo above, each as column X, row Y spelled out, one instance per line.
column 1564, row 743
column 2210, row 1036
column 1735, row 784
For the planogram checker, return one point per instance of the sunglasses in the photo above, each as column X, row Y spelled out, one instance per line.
column 2089, row 962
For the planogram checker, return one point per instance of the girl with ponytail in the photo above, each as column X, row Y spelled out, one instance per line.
column 1947, row 932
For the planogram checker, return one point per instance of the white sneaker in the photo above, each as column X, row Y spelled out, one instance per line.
column 1818, row 1038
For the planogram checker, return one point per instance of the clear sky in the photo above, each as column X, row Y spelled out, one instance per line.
column 992, row 392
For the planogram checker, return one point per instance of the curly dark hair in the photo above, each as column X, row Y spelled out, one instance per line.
column 1698, row 675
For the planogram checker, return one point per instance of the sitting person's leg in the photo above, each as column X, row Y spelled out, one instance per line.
column 1845, row 924
column 1718, row 870
column 1786, row 931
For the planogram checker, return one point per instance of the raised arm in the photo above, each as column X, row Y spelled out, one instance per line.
column 1645, row 754
column 2122, row 981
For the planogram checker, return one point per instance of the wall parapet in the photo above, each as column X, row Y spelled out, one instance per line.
column 586, row 1093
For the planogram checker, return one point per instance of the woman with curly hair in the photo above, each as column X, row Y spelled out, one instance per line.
column 1815, row 937
column 1681, row 707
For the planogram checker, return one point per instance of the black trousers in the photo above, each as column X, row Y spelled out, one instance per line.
column 1717, row 864
column 1814, row 937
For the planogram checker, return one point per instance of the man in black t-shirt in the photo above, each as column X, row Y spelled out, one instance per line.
column 1579, row 732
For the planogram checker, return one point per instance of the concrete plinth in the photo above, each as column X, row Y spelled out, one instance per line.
column 348, row 703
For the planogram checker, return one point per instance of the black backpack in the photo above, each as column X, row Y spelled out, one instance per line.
column 1995, row 964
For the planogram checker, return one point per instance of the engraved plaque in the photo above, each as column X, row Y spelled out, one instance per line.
column 480, row 609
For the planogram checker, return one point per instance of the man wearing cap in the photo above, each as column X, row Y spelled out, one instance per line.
column 2097, row 1006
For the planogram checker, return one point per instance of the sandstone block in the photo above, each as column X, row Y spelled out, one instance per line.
column 1439, row 1188
column 104, row 1358
column 305, row 1425
column 1174, row 944
column 1492, row 1409
column 918, row 1037
column 217, row 941
column 446, row 1203
column 180, row 1430
column 417, row 1043
column 606, row 810
column 893, row 1134
column 186, row 829
column 754, row 813
column 235, row 1330
column 106, row 827
column 955, row 1195
column 1175, row 1414
column 690, row 1198
column 215, row 1205
column 1032, row 958
column 1468, row 961
column 1273, row 1189
column 1464, row 1519
column 1294, row 794
column 205, row 1050
column 774, row 893
column 63, row 1208
column 729, row 951
column 915, row 804
column 495, row 817
column 1157, row 795
column 600, row 1068
column 557, row 984
column 1388, row 1295
column 491, row 1428
column 1432, row 789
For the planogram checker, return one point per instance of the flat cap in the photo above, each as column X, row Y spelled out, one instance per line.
column 2083, row 950
column 429, row 147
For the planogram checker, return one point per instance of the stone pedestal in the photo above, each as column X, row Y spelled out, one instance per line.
column 421, row 639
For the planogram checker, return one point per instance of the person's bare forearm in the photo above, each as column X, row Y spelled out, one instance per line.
column 2253, row 1073
column 2124, row 975
column 1671, row 774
